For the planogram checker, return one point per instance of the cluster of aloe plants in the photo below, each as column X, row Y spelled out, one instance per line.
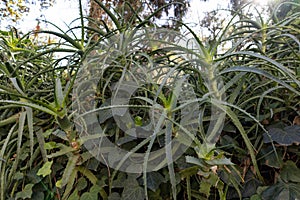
column 245, row 133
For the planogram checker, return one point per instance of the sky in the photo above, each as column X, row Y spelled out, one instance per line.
column 64, row 11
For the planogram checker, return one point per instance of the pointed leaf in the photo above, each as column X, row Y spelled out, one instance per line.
column 46, row 169
column 261, row 72
column 221, row 161
column 189, row 171
column 69, row 169
column 289, row 191
column 16, row 85
column 88, row 174
column 59, row 96
column 30, row 127
column 154, row 179
column 31, row 105
column 92, row 194
column 41, row 141
column 270, row 159
column 70, row 184
column 132, row 190
column 130, row 193
column 290, row 172
column 205, row 188
column 286, row 136
column 74, row 195
column 19, row 143
column 81, row 184
column 26, row 193
column 64, row 150
column 89, row 196
column 4, row 145
column 194, row 160
column 50, row 145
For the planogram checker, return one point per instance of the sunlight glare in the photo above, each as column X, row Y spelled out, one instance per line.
column 262, row 2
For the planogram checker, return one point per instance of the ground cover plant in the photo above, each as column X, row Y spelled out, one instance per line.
column 242, row 144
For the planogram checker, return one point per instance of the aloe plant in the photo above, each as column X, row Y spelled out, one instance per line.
column 222, row 110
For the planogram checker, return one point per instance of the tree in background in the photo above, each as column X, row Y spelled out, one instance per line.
column 14, row 9
column 174, row 9
column 214, row 21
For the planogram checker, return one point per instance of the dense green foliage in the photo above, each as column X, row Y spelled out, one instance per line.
column 255, row 156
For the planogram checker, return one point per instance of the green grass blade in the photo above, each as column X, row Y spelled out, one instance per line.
column 6, row 141
column 19, row 144
column 30, row 128
column 260, row 72
column 9, row 120
column 68, row 170
column 248, row 143
column 168, row 149
column 73, row 42
column 31, row 105
column 59, row 97
column 41, row 141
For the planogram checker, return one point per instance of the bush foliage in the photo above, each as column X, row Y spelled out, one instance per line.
column 255, row 155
